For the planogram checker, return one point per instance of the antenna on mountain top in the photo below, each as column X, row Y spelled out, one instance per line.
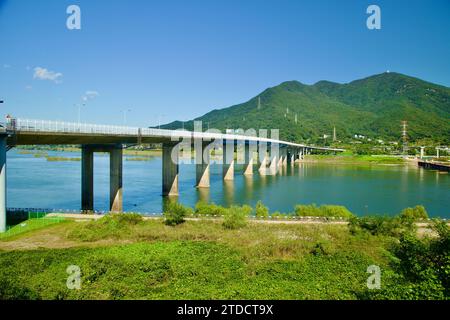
column 405, row 136
column 259, row 103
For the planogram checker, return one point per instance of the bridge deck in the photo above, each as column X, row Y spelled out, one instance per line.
column 35, row 132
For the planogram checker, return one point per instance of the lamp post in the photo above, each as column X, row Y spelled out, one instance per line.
column 159, row 120
column 79, row 105
column 125, row 115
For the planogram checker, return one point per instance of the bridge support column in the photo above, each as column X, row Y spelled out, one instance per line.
column 274, row 159
column 263, row 159
column 87, row 179
column 115, row 179
column 249, row 154
column 291, row 157
column 3, row 207
column 228, row 160
column 284, row 154
column 202, row 163
column 170, row 169
column 115, row 176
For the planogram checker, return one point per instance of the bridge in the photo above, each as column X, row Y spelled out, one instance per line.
column 272, row 153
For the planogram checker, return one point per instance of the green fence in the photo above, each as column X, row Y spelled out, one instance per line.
column 36, row 220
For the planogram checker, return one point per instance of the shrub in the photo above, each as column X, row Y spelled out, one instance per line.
column 174, row 213
column 279, row 215
column 422, row 267
column 321, row 248
column 323, row 211
column 336, row 211
column 414, row 214
column 261, row 211
column 377, row 225
column 236, row 217
column 204, row 208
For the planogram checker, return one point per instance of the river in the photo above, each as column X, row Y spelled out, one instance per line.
column 34, row 182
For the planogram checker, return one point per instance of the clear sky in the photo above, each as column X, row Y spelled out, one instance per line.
column 169, row 60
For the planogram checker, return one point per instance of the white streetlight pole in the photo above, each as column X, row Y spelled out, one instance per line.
column 125, row 115
column 79, row 105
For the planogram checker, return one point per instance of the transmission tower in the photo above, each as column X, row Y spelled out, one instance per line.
column 405, row 136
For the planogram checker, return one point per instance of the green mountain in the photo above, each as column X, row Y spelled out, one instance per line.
column 373, row 107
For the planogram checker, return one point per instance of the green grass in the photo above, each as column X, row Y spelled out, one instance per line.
column 355, row 159
column 29, row 225
column 188, row 269
column 122, row 256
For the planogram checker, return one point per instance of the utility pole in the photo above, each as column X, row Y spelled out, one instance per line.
column 405, row 136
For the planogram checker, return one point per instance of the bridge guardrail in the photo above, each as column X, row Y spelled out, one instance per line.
column 30, row 125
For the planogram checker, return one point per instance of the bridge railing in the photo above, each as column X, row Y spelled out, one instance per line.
column 29, row 125
column 71, row 127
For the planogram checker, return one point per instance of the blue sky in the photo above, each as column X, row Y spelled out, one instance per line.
column 168, row 60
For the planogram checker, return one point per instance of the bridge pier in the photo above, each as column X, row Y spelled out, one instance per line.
column 263, row 158
column 3, row 147
column 284, row 155
column 202, row 163
column 249, row 151
column 115, row 176
column 228, row 160
column 291, row 156
column 422, row 152
column 170, row 169
column 274, row 155
column 87, row 179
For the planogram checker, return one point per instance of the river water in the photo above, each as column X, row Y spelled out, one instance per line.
column 34, row 182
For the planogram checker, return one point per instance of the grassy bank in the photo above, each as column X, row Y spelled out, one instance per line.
column 125, row 257
column 354, row 159
column 197, row 260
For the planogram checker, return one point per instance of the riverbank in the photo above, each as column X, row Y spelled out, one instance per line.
column 355, row 159
column 199, row 259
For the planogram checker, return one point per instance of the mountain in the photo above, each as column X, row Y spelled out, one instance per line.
column 373, row 106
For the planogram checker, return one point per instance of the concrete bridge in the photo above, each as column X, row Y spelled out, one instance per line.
column 272, row 153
